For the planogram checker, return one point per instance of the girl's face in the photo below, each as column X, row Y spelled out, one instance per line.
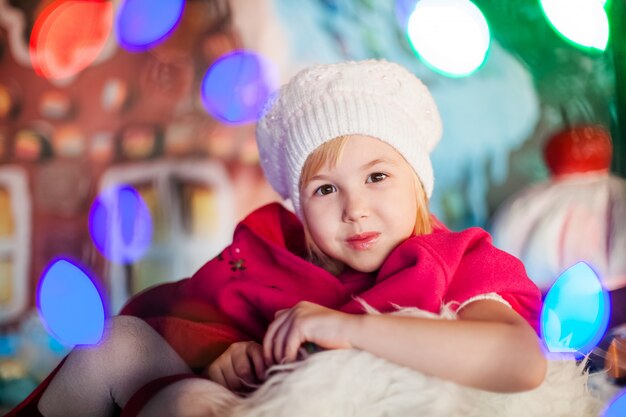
column 360, row 210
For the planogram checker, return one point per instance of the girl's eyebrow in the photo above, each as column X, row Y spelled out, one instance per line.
column 364, row 167
column 376, row 162
column 317, row 177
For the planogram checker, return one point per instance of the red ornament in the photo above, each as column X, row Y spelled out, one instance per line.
column 579, row 149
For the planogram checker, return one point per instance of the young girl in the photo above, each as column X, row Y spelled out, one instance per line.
column 348, row 144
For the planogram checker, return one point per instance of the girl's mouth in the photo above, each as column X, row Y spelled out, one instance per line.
column 362, row 241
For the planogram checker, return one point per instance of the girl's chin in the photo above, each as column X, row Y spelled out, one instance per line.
column 365, row 267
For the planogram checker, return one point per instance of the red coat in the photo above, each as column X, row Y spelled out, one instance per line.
column 235, row 295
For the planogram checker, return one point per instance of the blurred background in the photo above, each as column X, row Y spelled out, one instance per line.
column 127, row 149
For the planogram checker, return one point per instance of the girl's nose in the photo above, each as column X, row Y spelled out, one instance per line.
column 355, row 208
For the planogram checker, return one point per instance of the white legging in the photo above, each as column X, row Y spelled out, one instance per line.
column 94, row 379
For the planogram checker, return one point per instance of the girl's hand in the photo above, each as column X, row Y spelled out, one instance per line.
column 240, row 367
column 306, row 322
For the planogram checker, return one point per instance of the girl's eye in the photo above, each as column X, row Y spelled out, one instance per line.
column 376, row 177
column 325, row 189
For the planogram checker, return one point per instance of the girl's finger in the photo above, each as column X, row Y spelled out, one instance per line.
column 267, row 343
column 256, row 357
column 291, row 345
column 280, row 312
column 268, row 339
column 280, row 338
column 283, row 335
column 215, row 374
column 231, row 376
column 243, row 367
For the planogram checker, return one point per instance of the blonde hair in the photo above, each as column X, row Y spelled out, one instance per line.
column 330, row 153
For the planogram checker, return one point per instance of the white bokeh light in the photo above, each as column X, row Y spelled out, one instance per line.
column 583, row 22
column 451, row 36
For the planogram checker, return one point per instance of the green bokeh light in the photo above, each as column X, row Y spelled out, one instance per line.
column 583, row 23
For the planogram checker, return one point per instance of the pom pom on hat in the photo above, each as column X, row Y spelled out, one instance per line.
column 374, row 98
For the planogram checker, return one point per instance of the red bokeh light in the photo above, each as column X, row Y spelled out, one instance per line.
column 68, row 36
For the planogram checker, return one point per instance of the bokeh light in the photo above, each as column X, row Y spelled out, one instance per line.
column 141, row 24
column 235, row 88
column 617, row 407
column 576, row 311
column 581, row 22
column 450, row 36
column 120, row 224
column 68, row 36
column 403, row 10
column 70, row 305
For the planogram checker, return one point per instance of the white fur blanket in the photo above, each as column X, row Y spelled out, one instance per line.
column 346, row 383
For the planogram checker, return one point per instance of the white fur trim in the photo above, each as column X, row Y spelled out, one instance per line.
column 489, row 296
column 351, row 383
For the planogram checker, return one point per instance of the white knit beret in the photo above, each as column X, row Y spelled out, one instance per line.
column 373, row 98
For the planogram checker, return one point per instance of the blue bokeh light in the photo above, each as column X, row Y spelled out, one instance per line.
column 70, row 305
column 120, row 224
column 403, row 11
column 576, row 311
column 141, row 24
column 617, row 407
column 235, row 88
